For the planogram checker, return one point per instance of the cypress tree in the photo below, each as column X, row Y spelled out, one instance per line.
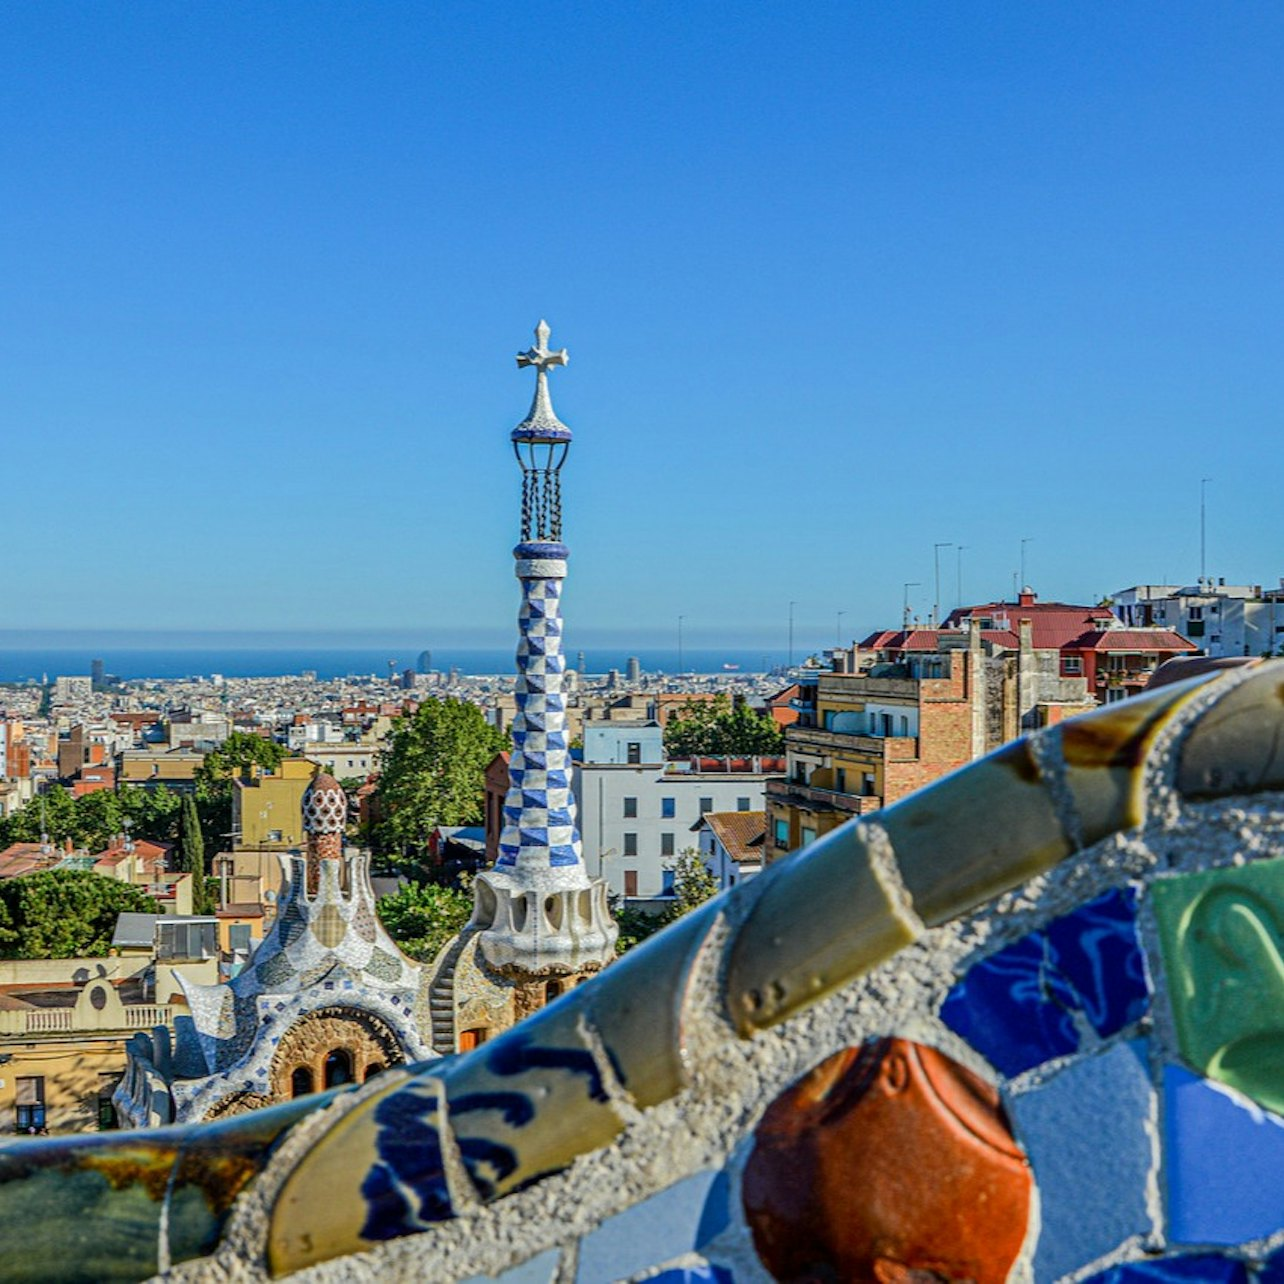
column 192, row 853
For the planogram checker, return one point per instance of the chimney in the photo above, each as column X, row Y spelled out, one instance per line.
column 1026, row 597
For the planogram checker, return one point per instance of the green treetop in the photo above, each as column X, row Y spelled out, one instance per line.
column 422, row 917
column 434, row 772
column 63, row 913
column 713, row 728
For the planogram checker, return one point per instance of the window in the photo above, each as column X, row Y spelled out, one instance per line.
column 782, row 833
column 807, row 835
column 668, row 809
column 630, row 844
column 274, row 835
column 666, row 883
column 106, row 1110
column 1195, row 613
column 867, row 784
column 666, row 845
column 630, row 882
column 338, row 1068
column 742, row 804
column 634, row 752
column 706, row 805
column 238, row 937
column 630, row 808
column 1072, row 664
column 840, row 780
column 29, row 1098
column 904, row 725
column 887, row 724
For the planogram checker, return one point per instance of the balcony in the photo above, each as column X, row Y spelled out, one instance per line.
column 788, row 793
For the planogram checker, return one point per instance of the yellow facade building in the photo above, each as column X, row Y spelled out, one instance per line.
column 266, row 810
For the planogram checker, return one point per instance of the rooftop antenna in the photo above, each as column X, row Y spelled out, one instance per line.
column 1027, row 539
column 838, row 633
column 905, row 609
column 791, row 633
column 958, row 576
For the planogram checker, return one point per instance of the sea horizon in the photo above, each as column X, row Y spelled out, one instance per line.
column 38, row 663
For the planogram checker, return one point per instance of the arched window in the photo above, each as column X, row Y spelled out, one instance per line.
column 551, row 990
column 301, row 1082
column 338, row 1068
column 373, row 1069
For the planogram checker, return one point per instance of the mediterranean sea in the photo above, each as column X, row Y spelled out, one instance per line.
column 35, row 663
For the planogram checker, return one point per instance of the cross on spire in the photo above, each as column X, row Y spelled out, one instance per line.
column 541, row 419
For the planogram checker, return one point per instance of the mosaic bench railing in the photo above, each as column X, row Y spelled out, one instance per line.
column 1027, row 1024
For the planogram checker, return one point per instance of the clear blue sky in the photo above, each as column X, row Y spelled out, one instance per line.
column 838, row 281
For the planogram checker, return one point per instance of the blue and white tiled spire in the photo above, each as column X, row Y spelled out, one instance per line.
column 539, row 809
column 538, row 907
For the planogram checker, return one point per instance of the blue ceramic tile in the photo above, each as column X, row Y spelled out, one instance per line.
column 657, row 1230
column 716, row 1216
column 1272, row 1270
column 1097, row 951
column 1024, row 1004
column 703, row 1274
column 1208, row 1268
column 1091, row 1180
column 1223, row 1157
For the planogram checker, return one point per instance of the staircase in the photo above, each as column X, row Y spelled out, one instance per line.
column 441, row 998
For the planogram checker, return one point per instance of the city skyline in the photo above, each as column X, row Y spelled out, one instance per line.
column 837, row 289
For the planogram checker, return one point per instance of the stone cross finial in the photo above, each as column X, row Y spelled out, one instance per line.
column 541, row 417
column 540, row 356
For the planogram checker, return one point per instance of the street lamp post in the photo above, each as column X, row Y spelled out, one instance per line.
column 936, row 603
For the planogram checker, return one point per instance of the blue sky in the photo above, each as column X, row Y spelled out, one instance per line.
column 838, row 281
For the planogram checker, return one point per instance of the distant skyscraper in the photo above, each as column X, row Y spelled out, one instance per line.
column 540, row 861
column 96, row 672
column 583, row 663
column 634, row 669
column 424, row 663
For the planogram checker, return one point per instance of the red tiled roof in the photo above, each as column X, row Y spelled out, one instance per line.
column 1131, row 640
column 741, row 832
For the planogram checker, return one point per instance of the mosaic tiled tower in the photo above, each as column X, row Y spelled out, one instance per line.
column 325, row 812
column 538, row 907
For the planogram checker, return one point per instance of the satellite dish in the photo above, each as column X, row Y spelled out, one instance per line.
column 270, row 896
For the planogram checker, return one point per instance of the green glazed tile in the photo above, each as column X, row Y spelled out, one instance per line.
column 977, row 833
column 1237, row 747
column 529, row 1102
column 84, row 1211
column 822, row 919
column 1105, row 757
column 636, row 1006
column 1222, row 936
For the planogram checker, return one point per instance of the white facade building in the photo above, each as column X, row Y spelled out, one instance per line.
column 637, row 817
column 1221, row 619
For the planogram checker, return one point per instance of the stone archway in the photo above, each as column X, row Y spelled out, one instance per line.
column 361, row 1042
column 237, row 1103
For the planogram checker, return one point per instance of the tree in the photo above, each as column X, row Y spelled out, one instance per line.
column 434, row 773
column 64, row 913
column 152, row 813
column 191, row 854
column 422, row 917
column 239, row 755
column 713, row 728
column 693, row 884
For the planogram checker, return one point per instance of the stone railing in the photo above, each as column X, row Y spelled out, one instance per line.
column 1025, row 1024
